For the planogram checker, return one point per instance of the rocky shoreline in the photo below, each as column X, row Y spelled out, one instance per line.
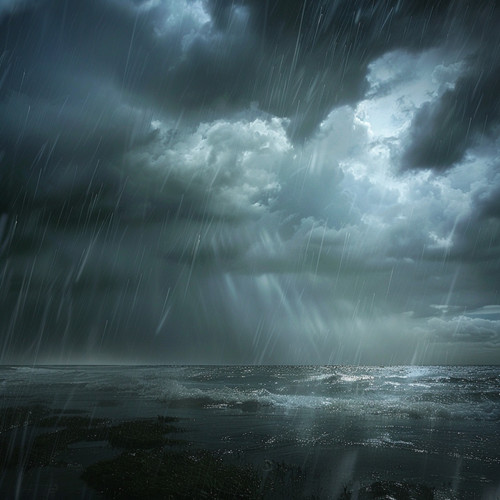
column 56, row 453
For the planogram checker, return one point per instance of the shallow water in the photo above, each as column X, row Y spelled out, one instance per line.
column 343, row 425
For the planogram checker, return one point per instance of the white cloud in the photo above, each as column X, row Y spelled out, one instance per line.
column 401, row 82
column 491, row 312
column 185, row 12
column 233, row 165
column 466, row 329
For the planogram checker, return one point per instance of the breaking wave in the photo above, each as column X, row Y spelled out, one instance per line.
column 448, row 393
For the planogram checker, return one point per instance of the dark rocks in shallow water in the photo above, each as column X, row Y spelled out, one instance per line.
column 390, row 490
column 19, row 416
column 164, row 474
column 22, row 445
column 159, row 473
column 40, row 450
column 37, row 415
column 401, row 491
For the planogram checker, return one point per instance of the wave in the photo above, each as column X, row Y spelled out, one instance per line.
column 446, row 393
column 177, row 395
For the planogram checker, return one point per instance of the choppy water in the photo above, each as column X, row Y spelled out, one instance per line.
column 438, row 425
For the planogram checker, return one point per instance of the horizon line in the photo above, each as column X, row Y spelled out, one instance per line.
column 137, row 365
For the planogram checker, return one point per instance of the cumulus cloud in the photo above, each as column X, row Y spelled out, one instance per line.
column 232, row 166
column 465, row 329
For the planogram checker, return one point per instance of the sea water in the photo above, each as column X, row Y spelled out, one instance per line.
column 343, row 425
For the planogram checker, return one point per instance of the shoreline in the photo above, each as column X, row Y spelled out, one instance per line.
column 58, row 453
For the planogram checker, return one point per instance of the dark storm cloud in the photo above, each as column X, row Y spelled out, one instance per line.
column 444, row 129
column 292, row 60
column 62, row 67
column 309, row 58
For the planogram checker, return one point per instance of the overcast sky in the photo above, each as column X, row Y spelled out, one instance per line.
column 224, row 181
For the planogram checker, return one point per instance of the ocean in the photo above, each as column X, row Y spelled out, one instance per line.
column 345, row 426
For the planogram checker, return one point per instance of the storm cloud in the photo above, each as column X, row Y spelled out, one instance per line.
column 248, row 182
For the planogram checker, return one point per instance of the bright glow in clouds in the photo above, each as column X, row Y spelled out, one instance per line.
column 179, row 12
column 236, row 164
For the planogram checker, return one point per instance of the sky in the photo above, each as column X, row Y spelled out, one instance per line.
column 249, row 181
